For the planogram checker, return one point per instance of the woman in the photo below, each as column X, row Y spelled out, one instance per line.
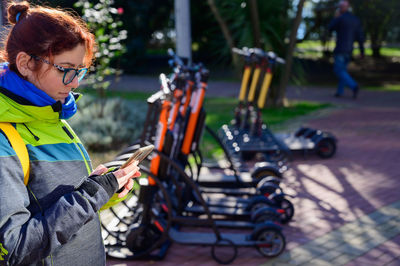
column 54, row 219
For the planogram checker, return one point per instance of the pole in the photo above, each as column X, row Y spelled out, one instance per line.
column 183, row 29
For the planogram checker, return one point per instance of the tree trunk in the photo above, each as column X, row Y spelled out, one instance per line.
column 376, row 51
column 225, row 31
column 289, row 56
column 375, row 44
column 255, row 22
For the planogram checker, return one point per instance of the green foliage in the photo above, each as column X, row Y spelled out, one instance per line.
column 142, row 19
column 121, row 123
column 379, row 17
column 102, row 19
column 274, row 23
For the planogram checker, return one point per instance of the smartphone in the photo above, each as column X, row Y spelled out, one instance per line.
column 139, row 155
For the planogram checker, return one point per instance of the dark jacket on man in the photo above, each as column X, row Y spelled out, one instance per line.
column 348, row 29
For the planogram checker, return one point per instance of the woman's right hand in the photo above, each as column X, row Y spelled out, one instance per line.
column 125, row 177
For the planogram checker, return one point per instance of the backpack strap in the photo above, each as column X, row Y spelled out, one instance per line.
column 19, row 147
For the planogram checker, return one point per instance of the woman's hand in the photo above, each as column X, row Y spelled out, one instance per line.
column 124, row 176
column 101, row 169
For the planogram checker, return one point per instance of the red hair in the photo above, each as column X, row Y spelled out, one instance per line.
column 44, row 32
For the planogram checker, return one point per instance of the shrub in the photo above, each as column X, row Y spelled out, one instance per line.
column 121, row 122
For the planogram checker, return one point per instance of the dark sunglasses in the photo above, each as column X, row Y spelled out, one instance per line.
column 69, row 73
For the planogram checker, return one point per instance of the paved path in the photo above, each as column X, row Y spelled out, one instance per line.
column 347, row 208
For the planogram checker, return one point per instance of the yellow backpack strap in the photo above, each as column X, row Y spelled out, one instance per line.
column 19, row 147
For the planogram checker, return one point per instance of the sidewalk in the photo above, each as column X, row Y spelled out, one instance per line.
column 347, row 208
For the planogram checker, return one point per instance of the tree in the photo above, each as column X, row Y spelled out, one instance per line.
column 103, row 22
column 249, row 23
column 316, row 25
column 378, row 18
column 142, row 19
column 224, row 28
column 255, row 22
column 279, row 100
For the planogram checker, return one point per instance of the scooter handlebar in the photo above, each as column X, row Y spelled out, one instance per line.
column 244, row 51
column 273, row 56
column 164, row 84
column 176, row 60
column 163, row 93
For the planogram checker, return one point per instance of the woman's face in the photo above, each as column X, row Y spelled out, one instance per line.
column 50, row 79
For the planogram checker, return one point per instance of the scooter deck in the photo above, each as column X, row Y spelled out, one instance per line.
column 220, row 179
column 226, row 201
column 234, row 224
column 296, row 143
column 229, row 191
column 202, row 238
column 226, row 211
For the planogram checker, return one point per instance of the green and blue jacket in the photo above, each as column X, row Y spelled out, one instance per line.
column 54, row 219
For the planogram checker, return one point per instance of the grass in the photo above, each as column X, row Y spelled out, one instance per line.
column 314, row 49
column 220, row 111
column 385, row 87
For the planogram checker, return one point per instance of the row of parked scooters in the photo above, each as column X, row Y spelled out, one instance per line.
column 177, row 194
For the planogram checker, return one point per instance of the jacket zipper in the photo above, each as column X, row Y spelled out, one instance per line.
column 71, row 136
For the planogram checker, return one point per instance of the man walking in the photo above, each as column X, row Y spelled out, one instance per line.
column 348, row 29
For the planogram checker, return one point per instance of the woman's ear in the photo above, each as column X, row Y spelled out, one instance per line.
column 22, row 62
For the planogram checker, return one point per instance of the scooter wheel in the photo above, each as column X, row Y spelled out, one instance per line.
column 132, row 148
column 288, row 207
column 326, row 148
column 258, row 202
column 263, row 215
column 141, row 238
column 261, row 174
column 267, row 189
column 269, row 179
column 270, row 242
column 224, row 243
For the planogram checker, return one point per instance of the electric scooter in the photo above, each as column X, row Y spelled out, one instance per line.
column 234, row 206
column 140, row 236
column 259, row 139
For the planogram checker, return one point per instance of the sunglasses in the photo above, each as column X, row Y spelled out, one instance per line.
column 69, row 73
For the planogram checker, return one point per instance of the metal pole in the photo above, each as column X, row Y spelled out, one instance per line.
column 183, row 30
column 1, row 14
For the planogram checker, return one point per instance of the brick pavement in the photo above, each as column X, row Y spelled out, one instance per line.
column 347, row 208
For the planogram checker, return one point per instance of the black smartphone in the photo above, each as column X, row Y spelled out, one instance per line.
column 139, row 155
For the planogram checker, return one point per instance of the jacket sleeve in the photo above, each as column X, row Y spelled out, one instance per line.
column 332, row 26
column 25, row 238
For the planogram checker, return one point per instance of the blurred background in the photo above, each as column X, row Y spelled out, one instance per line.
column 217, row 26
column 133, row 37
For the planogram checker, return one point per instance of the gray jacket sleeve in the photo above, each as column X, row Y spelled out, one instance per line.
column 25, row 238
